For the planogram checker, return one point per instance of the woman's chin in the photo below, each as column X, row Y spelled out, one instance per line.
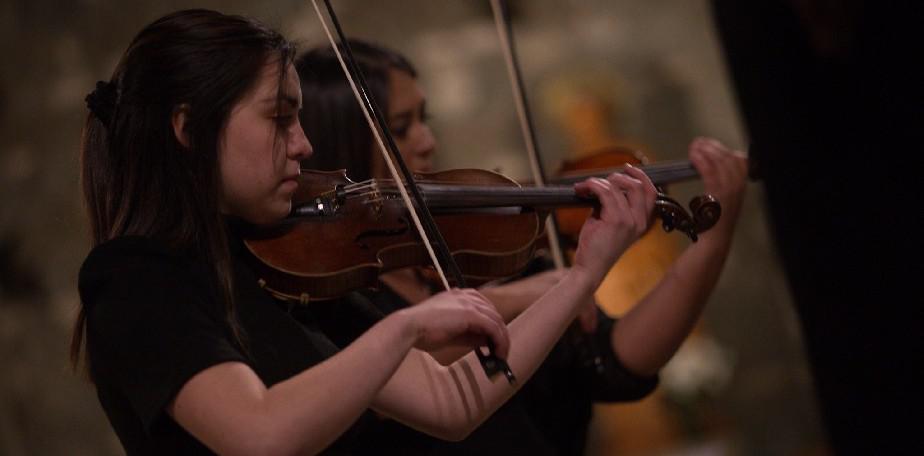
column 279, row 213
column 272, row 215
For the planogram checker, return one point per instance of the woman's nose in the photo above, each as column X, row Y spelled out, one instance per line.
column 302, row 149
column 427, row 145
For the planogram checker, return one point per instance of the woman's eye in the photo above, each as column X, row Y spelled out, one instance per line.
column 401, row 131
column 285, row 119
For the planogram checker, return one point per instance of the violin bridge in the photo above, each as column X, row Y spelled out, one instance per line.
column 374, row 200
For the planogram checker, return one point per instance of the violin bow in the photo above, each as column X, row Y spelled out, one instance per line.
column 505, row 33
column 429, row 233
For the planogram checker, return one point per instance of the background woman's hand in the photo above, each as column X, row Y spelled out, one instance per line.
column 626, row 204
column 458, row 316
column 587, row 316
column 724, row 172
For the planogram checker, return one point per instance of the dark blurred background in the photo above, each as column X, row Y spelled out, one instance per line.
column 658, row 73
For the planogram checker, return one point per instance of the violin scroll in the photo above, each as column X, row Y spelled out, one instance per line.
column 706, row 211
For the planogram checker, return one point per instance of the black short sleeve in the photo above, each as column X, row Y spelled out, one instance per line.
column 592, row 355
column 151, row 323
column 612, row 382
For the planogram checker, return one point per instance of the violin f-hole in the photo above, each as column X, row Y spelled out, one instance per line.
column 383, row 232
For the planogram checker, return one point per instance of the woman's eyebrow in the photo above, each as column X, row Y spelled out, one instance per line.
column 401, row 116
column 286, row 99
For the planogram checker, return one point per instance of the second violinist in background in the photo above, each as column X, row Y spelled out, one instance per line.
column 552, row 411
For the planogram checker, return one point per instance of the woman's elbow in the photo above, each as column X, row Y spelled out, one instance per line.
column 457, row 430
column 255, row 442
column 455, row 434
column 267, row 441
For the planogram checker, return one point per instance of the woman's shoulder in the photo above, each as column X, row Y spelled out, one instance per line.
column 128, row 247
column 133, row 262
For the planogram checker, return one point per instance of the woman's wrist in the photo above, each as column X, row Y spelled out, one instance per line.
column 582, row 278
column 720, row 236
column 407, row 326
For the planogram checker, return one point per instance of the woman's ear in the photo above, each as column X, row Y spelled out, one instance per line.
column 178, row 119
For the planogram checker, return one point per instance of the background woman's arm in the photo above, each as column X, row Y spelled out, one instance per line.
column 648, row 335
column 450, row 402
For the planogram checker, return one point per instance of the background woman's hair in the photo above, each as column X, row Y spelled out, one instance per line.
column 137, row 178
column 331, row 117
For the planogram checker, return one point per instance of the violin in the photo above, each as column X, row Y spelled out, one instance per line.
column 342, row 234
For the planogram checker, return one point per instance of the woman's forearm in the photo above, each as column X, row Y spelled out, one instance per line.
column 512, row 298
column 327, row 399
column 229, row 409
column 648, row 335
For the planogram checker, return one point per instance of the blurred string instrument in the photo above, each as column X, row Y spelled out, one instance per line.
column 637, row 271
column 614, row 159
column 597, row 165
column 564, row 226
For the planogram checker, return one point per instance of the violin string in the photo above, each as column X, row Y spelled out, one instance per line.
column 359, row 184
column 358, row 188
column 366, row 194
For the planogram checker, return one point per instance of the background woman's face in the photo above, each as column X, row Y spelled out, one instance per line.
column 407, row 119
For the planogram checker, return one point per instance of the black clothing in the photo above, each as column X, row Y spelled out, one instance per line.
column 548, row 416
column 154, row 321
column 821, row 87
column 581, row 369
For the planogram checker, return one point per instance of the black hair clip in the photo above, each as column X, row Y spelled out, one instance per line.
column 102, row 101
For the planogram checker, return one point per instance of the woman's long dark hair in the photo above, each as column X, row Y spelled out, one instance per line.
column 331, row 116
column 137, row 178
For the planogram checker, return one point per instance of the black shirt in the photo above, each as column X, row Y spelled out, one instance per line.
column 154, row 321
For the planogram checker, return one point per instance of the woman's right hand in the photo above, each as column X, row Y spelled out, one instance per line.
column 626, row 205
column 455, row 317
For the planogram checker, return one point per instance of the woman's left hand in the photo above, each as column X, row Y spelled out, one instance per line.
column 724, row 172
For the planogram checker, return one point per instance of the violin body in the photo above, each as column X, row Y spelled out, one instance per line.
column 338, row 249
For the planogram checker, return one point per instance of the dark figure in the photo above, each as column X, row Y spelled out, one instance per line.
column 832, row 102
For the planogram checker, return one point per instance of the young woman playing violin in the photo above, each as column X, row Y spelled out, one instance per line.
column 197, row 134
column 550, row 415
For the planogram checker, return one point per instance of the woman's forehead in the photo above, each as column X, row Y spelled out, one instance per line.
column 404, row 91
column 268, row 82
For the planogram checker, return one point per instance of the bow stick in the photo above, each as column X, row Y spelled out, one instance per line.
column 504, row 32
